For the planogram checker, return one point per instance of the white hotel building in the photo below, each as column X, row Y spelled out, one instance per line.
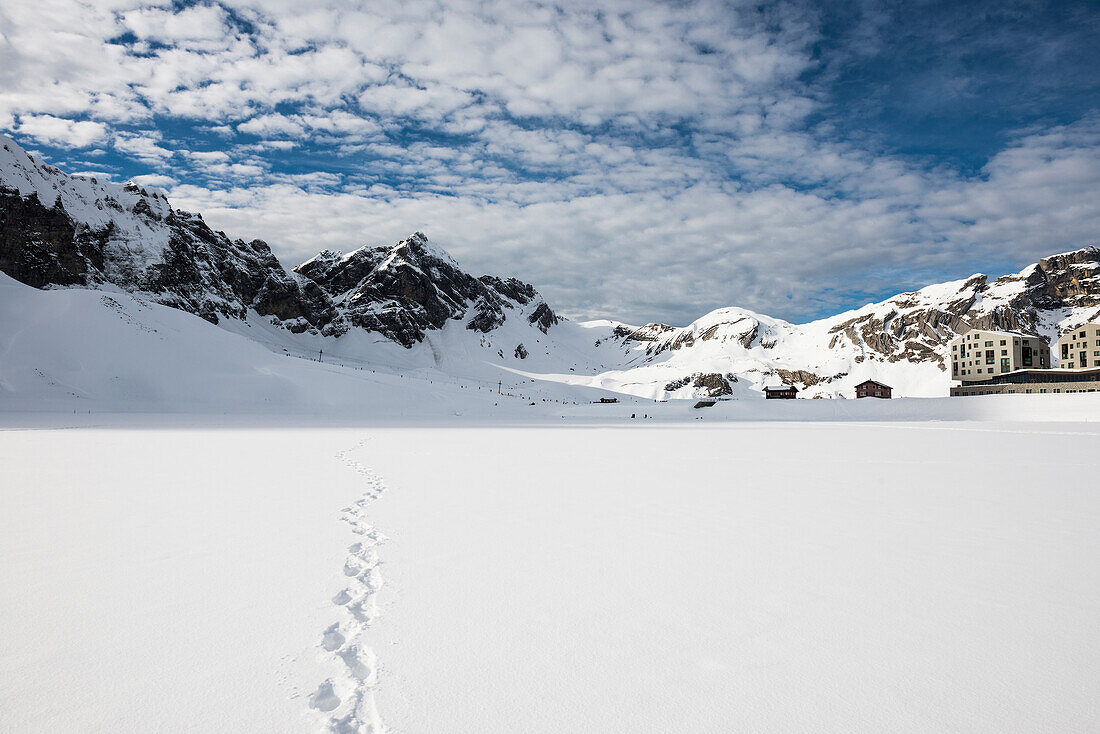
column 978, row 354
column 1080, row 348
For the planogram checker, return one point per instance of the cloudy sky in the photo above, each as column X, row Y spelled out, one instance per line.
column 636, row 160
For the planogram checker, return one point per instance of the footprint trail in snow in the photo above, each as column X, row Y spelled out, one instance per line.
column 347, row 699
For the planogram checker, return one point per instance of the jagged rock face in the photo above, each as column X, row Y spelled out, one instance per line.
column 206, row 273
column 92, row 233
column 60, row 230
column 38, row 245
column 197, row 270
column 543, row 317
column 400, row 291
column 412, row 287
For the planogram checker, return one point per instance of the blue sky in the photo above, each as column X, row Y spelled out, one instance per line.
column 641, row 161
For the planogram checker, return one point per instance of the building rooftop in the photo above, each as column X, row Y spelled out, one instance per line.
column 999, row 331
column 1040, row 375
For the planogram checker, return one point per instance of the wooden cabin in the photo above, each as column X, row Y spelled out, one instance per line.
column 873, row 389
column 780, row 392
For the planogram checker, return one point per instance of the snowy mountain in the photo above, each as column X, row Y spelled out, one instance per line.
column 411, row 307
column 902, row 341
column 62, row 230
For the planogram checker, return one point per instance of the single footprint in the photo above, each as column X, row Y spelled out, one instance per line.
column 332, row 639
column 324, row 698
column 351, row 658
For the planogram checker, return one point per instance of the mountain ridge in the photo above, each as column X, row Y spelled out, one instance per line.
column 58, row 230
column 62, row 230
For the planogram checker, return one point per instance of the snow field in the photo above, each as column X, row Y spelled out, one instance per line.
column 753, row 577
column 171, row 580
column 743, row 576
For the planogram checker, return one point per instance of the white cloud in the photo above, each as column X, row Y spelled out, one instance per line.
column 271, row 125
column 62, row 132
column 142, row 146
column 639, row 159
column 675, row 254
column 154, row 179
column 199, row 26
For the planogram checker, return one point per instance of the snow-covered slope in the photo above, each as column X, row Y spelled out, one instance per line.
column 78, row 349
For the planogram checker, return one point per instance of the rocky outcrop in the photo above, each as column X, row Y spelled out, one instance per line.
column 797, row 377
column 704, row 384
column 543, row 317
column 406, row 289
column 714, row 384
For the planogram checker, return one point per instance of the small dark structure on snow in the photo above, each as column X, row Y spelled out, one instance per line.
column 872, row 389
column 705, row 403
column 780, row 392
column 609, row 400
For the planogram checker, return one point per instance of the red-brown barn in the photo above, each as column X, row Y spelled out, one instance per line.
column 872, row 389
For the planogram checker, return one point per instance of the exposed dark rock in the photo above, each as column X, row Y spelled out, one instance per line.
column 749, row 336
column 197, row 270
column 521, row 352
column 411, row 287
column 683, row 339
column 38, row 245
column 543, row 317
column 486, row 317
column 647, row 333
column 674, row 385
column 798, row 377
column 510, row 288
column 715, row 384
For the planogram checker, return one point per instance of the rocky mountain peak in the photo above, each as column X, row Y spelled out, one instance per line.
column 405, row 289
column 62, row 230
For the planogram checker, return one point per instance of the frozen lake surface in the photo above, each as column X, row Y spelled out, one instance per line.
column 189, row 573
